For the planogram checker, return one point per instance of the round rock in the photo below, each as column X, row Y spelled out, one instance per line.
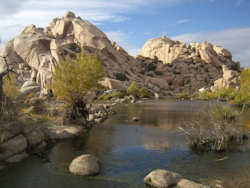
column 85, row 165
column 162, row 178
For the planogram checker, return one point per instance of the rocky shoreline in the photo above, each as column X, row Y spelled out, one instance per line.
column 20, row 140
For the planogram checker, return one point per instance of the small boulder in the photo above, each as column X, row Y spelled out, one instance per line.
column 132, row 99
column 13, row 147
column 35, row 137
column 156, row 95
column 184, row 183
column 17, row 158
column 135, row 119
column 63, row 132
column 85, row 165
column 29, row 87
column 162, row 178
column 2, row 167
column 91, row 117
column 113, row 84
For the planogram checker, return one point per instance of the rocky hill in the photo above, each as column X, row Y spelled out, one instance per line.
column 164, row 66
column 187, row 68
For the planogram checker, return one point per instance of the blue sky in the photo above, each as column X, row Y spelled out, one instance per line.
column 130, row 23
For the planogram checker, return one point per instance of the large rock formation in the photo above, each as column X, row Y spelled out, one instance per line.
column 35, row 52
column 165, row 66
column 187, row 68
column 169, row 51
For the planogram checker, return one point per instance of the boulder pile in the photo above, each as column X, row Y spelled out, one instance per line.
column 164, row 66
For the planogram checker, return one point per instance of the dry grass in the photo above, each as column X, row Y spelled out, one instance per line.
column 216, row 130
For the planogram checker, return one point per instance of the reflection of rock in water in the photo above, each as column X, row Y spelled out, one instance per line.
column 157, row 145
column 163, row 118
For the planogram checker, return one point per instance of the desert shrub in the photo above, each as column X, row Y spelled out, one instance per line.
column 132, row 89
column 239, row 97
column 216, row 130
column 108, row 96
column 11, row 91
column 225, row 113
column 221, row 94
column 74, row 78
column 138, row 92
column 245, row 86
column 10, row 87
column 143, row 93
column 207, row 95
column 181, row 96
column 226, row 94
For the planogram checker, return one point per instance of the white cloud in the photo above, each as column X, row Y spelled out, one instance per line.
column 236, row 40
column 15, row 14
column 183, row 21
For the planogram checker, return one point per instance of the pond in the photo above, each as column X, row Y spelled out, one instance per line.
column 129, row 150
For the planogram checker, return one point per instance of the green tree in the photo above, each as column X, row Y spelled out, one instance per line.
column 74, row 78
column 132, row 89
column 245, row 85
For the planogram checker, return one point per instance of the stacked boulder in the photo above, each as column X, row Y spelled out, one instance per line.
column 169, row 51
column 17, row 140
column 182, row 68
column 230, row 79
column 34, row 53
column 164, row 66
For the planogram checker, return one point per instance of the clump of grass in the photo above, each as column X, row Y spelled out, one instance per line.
column 134, row 90
column 207, row 95
column 217, row 130
column 225, row 113
column 143, row 93
column 181, row 96
column 115, row 94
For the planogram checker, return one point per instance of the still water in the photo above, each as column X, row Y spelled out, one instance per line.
column 129, row 150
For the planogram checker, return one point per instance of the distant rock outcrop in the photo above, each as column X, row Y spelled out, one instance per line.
column 169, row 51
column 188, row 68
column 164, row 66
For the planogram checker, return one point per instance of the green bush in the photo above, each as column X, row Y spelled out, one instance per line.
column 143, row 93
column 226, row 94
column 108, row 96
column 207, row 95
column 132, row 89
column 239, row 97
column 222, row 94
column 137, row 92
column 72, row 79
column 245, row 86
column 181, row 96
column 225, row 113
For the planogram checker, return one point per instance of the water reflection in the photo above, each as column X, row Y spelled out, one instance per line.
column 129, row 150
